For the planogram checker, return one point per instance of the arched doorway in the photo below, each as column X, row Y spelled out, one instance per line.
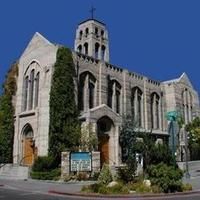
column 28, row 146
column 105, row 126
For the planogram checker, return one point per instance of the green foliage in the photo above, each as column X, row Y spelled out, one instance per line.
column 128, row 140
column 105, row 175
column 119, row 188
column 89, row 140
column 43, row 164
column 64, row 127
column 126, row 173
column 194, row 138
column 7, row 115
column 48, row 175
column 167, row 178
column 82, row 176
column 139, row 187
column 186, row 187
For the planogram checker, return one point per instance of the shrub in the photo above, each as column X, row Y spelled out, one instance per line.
column 105, row 175
column 119, row 188
column 186, row 187
column 82, row 176
column 95, row 176
column 103, row 189
column 43, row 164
column 126, row 173
column 168, row 178
column 51, row 175
column 139, row 187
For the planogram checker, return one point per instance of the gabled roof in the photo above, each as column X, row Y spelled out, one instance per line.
column 36, row 41
column 183, row 78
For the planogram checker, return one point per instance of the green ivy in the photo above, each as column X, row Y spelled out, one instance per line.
column 64, row 126
column 7, row 115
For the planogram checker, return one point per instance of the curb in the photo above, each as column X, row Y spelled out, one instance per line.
column 121, row 195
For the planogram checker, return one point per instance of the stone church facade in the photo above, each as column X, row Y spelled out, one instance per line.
column 105, row 93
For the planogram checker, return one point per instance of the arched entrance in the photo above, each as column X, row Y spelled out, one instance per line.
column 105, row 127
column 28, row 146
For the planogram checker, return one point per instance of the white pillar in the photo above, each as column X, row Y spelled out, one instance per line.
column 145, row 105
column 100, row 82
column 86, row 93
column 114, row 97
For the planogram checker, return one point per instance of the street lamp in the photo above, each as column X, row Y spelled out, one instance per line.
column 187, row 174
column 171, row 117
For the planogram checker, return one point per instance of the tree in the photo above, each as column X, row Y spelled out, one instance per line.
column 89, row 140
column 7, row 115
column 64, row 129
column 128, row 139
column 193, row 128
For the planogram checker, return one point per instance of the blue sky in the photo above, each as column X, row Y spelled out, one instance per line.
column 157, row 38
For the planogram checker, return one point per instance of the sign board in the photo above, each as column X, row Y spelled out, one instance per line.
column 80, row 161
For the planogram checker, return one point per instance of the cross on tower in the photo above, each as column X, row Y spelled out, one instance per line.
column 92, row 12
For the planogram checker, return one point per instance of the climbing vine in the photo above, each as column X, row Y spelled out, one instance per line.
column 64, row 126
column 7, row 114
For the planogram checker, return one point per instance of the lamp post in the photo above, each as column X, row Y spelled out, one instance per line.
column 187, row 174
column 171, row 117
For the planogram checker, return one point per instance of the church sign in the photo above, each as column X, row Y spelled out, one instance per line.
column 80, row 162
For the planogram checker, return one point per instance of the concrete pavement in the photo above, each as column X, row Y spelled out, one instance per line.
column 32, row 188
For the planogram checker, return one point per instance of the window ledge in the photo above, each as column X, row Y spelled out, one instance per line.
column 27, row 113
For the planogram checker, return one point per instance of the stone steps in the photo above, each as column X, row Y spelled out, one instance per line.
column 10, row 171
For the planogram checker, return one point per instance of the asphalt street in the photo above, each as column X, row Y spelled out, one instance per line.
column 15, row 194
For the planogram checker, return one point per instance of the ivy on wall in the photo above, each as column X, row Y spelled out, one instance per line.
column 7, row 115
column 64, row 128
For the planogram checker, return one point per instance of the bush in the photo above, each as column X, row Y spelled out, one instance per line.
column 82, row 176
column 51, row 175
column 43, row 164
column 103, row 189
column 126, row 173
column 95, row 176
column 139, row 187
column 186, row 187
column 105, row 175
column 168, row 178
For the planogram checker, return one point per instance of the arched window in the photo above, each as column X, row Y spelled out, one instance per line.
column 91, row 94
column 31, row 89
column 109, row 91
column 96, row 50
column 102, row 33
column 103, row 50
column 118, row 95
column 117, row 101
column 155, row 110
column 114, row 95
column 25, row 93
column 86, row 94
column 37, row 85
column 86, row 48
column 136, row 105
column 86, row 32
column 96, row 31
column 80, row 35
column 187, row 105
column 79, row 49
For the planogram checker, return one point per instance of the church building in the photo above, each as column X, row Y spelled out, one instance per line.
column 105, row 93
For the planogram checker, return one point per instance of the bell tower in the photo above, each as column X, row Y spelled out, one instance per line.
column 92, row 39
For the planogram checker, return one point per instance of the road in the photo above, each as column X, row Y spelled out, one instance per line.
column 13, row 194
column 34, row 190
